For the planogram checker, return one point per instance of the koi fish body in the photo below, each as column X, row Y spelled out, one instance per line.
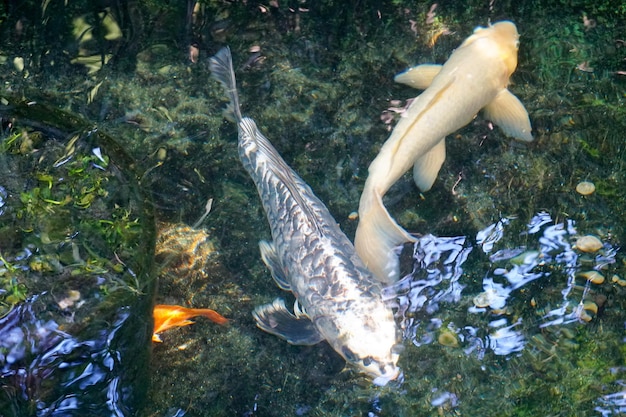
column 337, row 298
column 475, row 77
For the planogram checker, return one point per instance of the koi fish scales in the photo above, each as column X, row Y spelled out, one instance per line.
column 337, row 298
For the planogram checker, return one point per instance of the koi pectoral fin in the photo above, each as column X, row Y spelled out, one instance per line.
column 509, row 114
column 274, row 318
column 426, row 168
column 420, row 77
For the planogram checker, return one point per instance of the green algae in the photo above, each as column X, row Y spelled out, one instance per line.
column 76, row 262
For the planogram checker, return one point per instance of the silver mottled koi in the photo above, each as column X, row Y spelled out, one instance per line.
column 338, row 299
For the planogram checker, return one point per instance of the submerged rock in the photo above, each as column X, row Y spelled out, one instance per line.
column 592, row 276
column 588, row 244
column 76, row 251
column 585, row 188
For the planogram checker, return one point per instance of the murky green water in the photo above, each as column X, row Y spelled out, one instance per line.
column 498, row 315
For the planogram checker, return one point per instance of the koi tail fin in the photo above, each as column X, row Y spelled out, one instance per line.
column 377, row 235
column 221, row 66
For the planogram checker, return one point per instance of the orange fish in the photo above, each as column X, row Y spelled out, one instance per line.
column 168, row 316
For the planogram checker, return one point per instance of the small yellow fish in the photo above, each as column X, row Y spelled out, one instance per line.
column 168, row 316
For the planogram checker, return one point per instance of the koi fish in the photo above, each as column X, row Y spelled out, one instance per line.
column 168, row 316
column 337, row 298
column 475, row 77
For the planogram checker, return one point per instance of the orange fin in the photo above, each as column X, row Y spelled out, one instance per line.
column 169, row 316
column 212, row 315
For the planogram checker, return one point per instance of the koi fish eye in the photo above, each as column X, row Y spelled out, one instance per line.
column 348, row 354
column 367, row 361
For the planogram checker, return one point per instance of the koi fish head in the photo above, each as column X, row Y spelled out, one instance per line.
column 501, row 38
column 367, row 339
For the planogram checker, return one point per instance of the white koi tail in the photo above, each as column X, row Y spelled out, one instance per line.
column 221, row 66
column 377, row 236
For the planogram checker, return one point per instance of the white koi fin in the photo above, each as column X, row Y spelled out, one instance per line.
column 276, row 319
column 377, row 235
column 270, row 258
column 509, row 114
column 427, row 167
column 420, row 77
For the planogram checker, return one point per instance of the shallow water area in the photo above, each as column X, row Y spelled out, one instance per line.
column 75, row 268
column 531, row 308
column 502, row 313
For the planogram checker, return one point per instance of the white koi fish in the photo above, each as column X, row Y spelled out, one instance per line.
column 475, row 77
column 337, row 298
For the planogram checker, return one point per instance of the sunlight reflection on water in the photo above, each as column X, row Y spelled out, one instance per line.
column 612, row 404
column 547, row 256
column 438, row 267
column 34, row 350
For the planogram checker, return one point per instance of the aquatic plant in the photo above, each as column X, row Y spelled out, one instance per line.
column 75, row 263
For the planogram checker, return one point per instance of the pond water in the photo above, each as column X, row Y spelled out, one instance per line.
column 504, row 309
